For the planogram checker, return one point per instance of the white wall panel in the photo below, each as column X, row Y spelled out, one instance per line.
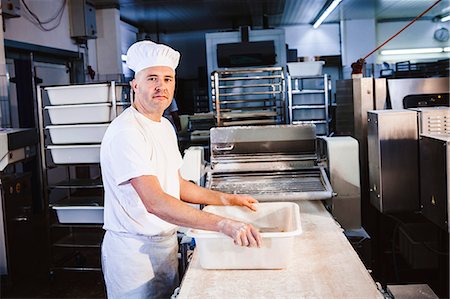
column 323, row 41
column 108, row 43
column 22, row 30
column 358, row 40
column 128, row 36
column 418, row 35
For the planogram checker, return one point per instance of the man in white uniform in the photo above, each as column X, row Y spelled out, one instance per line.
column 140, row 164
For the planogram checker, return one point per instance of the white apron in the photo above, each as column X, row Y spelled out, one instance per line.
column 140, row 267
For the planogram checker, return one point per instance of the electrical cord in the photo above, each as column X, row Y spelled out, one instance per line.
column 401, row 30
column 33, row 18
column 41, row 27
column 359, row 64
column 37, row 18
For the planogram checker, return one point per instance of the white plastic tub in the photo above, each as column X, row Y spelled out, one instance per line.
column 304, row 69
column 79, row 214
column 79, row 114
column 78, row 94
column 66, row 134
column 217, row 251
column 75, row 154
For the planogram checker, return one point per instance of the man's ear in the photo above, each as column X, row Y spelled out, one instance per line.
column 133, row 84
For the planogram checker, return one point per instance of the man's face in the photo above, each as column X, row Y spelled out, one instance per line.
column 154, row 88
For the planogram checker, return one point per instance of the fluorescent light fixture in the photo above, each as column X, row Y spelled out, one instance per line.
column 326, row 13
column 412, row 51
column 124, row 57
column 446, row 18
column 447, row 49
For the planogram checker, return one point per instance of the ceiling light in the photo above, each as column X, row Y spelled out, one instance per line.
column 445, row 19
column 446, row 9
column 326, row 13
column 447, row 49
column 412, row 51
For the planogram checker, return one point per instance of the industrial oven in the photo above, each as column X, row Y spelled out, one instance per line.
column 418, row 92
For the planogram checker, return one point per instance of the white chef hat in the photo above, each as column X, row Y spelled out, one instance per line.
column 144, row 54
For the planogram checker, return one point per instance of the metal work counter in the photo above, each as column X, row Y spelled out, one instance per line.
column 324, row 266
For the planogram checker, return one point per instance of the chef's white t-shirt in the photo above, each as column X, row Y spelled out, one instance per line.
column 134, row 146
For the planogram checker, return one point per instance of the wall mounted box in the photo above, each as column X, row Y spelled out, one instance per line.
column 10, row 8
column 82, row 20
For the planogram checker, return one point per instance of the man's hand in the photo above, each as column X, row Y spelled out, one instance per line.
column 243, row 234
column 239, row 200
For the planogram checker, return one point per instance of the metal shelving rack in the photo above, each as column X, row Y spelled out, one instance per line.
column 250, row 96
column 308, row 103
column 74, row 246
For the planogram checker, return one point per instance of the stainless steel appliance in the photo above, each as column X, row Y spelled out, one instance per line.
column 340, row 156
column 434, row 178
column 284, row 163
column 354, row 98
column 271, row 163
column 433, row 120
column 426, row 100
column 15, row 197
column 393, row 160
column 418, row 92
column 393, row 147
column 16, row 145
column 288, row 163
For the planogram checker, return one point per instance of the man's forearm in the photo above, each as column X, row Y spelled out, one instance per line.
column 192, row 193
column 171, row 209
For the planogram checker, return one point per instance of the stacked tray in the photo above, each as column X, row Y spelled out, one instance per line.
column 79, row 116
column 79, row 210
